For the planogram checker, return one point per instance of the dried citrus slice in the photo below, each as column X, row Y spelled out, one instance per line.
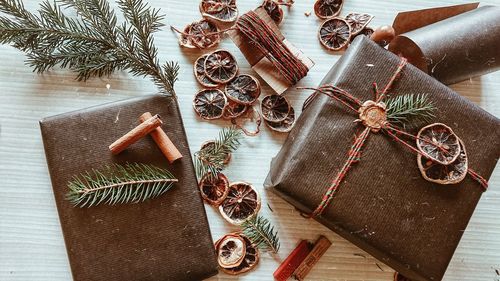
column 204, row 34
column 241, row 203
column 367, row 31
column 274, row 108
column 438, row 143
column 214, row 189
column 243, row 89
column 334, row 34
column 285, row 125
column 185, row 38
column 250, row 260
column 199, row 73
column 210, row 103
column 221, row 66
column 444, row 174
column 273, row 10
column 234, row 110
column 210, row 145
column 358, row 21
column 327, row 8
column 219, row 10
column 231, row 251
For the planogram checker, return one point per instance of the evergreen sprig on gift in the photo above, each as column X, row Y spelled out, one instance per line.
column 409, row 110
column 93, row 43
column 262, row 234
column 117, row 184
column 211, row 159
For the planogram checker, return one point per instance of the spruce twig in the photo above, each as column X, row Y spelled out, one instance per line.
column 93, row 43
column 262, row 234
column 211, row 158
column 119, row 184
column 409, row 110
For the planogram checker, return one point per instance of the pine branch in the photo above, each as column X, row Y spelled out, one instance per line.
column 262, row 234
column 409, row 110
column 93, row 43
column 211, row 158
column 119, row 184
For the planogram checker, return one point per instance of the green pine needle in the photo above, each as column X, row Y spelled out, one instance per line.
column 262, row 234
column 409, row 110
column 91, row 44
column 211, row 158
column 119, row 184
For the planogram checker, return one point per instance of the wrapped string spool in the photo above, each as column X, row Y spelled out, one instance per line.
column 277, row 61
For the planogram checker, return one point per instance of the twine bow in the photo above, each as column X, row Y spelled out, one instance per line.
column 372, row 114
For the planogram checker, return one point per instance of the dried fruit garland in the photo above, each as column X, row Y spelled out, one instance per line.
column 440, row 153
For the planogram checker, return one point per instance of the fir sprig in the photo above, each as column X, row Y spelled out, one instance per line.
column 262, row 234
column 211, row 158
column 409, row 110
column 119, row 184
column 93, row 43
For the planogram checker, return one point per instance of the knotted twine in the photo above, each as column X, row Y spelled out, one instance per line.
column 374, row 125
column 269, row 44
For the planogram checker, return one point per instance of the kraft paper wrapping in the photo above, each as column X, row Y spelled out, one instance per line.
column 384, row 205
column 452, row 49
column 165, row 238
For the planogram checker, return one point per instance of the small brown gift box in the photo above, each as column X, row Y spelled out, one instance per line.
column 384, row 205
column 165, row 238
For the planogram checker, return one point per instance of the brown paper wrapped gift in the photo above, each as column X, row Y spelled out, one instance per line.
column 384, row 205
column 165, row 238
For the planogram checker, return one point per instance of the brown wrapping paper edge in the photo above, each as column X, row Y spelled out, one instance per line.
column 259, row 62
column 462, row 45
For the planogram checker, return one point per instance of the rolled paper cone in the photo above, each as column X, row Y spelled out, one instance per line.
column 454, row 49
column 135, row 134
column 166, row 146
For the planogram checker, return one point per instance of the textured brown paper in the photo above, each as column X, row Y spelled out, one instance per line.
column 383, row 205
column 453, row 49
column 166, row 238
column 259, row 62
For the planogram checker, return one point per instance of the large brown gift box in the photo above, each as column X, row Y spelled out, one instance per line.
column 165, row 238
column 384, row 205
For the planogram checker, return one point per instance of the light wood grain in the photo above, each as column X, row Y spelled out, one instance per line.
column 31, row 243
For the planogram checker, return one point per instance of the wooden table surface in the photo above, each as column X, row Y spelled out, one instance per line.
column 31, row 243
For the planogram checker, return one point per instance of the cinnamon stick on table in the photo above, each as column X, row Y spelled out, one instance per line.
column 162, row 140
column 135, row 134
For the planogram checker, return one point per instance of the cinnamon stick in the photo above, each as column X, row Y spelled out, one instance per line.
column 135, row 134
column 166, row 146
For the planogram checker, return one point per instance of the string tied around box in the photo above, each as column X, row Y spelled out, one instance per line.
column 436, row 145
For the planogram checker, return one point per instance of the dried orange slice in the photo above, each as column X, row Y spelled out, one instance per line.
column 219, row 10
column 234, row 110
column 325, row 9
column 274, row 108
column 438, row 143
column 358, row 21
column 199, row 73
column 250, row 260
column 334, row 34
column 273, row 10
column 244, row 89
column 444, row 174
column 210, row 103
column 214, row 189
column 221, row 66
column 204, row 34
column 209, row 145
column 241, row 203
column 284, row 126
column 231, row 251
column 185, row 38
